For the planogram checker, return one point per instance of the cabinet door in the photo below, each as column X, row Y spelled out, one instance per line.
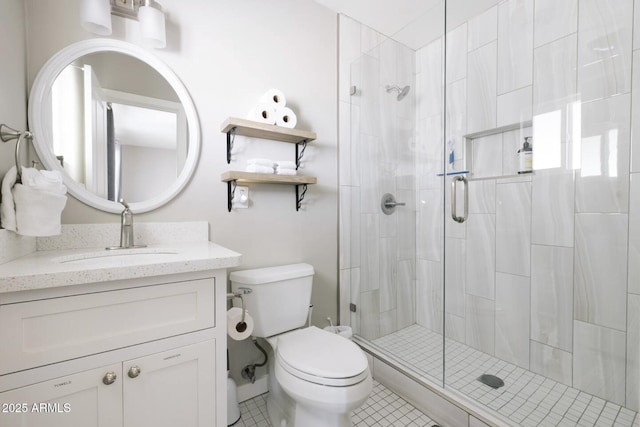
column 173, row 388
column 81, row 399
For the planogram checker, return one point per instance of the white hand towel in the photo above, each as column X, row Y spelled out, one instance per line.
column 37, row 212
column 43, row 180
column 287, row 172
column 286, row 164
column 259, row 169
column 8, row 207
column 261, row 162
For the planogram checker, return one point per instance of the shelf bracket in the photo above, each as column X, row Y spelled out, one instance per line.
column 231, row 137
column 231, row 191
column 300, row 195
column 299, row 152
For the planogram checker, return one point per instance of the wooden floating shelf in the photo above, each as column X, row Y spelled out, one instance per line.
column 266, row 178
column 233, row 126
column 254, row 129
column 233, row 178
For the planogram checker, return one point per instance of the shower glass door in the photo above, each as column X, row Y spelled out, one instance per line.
column 391, row 208
column 509, row 270
column 542, row 201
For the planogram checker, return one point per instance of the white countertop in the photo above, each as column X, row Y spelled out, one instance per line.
column 54, row 268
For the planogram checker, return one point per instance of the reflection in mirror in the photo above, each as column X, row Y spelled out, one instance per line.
column 118, row 127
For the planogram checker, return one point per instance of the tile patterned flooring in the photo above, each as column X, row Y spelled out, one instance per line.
column 527, row 399
column 383, row 408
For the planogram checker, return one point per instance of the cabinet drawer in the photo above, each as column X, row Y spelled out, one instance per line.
column 41, row 332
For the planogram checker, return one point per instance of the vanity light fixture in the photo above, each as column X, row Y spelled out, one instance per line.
column 96, row 18
column 152, row 26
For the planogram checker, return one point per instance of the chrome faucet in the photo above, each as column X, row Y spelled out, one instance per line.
column 126, row 228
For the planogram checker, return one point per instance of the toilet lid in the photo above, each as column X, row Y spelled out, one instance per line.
column 317, row 353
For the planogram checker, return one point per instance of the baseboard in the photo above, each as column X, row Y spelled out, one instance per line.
column 249, row 391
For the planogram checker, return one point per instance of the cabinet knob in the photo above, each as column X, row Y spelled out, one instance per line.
column 109, row 378
column 134, row 371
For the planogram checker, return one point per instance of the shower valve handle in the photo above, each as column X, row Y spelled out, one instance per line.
column 394, row 204
column 388, row 204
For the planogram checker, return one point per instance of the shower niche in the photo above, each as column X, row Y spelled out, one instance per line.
column 488, row 154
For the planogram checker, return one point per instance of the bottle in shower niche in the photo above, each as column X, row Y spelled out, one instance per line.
column 525, row 157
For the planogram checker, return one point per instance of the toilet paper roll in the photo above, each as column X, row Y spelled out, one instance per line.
column 263, row 113
column 235, row 329
column 286, row 118
column 274, row 97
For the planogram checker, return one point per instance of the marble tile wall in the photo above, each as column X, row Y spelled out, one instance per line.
column 545, row 273
column 551, row 278
column 377, row 146
column 515, row 38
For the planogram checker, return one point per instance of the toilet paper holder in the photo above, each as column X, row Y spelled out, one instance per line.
column 242, row 326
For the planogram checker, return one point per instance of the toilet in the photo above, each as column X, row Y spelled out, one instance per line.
column 315, row 378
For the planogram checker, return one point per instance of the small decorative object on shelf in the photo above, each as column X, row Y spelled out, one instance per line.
column 525, row 156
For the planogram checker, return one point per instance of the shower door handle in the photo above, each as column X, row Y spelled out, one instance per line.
column 454, row 187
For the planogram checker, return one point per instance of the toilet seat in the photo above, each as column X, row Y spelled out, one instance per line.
column 333, row 382
column 321, row 357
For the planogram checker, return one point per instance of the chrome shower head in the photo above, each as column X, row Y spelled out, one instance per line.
column 402, row 91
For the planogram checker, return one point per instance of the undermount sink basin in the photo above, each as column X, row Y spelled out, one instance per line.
column 118, row 255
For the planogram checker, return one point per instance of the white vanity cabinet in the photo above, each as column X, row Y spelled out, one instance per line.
column 172, row 388
column 141, row 352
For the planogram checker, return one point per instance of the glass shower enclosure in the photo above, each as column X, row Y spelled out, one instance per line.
column 490, row 207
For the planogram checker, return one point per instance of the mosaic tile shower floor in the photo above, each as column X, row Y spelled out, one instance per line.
column 527, row 399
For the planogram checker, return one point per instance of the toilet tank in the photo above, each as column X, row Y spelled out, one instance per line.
column 279, row 298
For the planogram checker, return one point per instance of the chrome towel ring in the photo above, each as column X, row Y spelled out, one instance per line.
column 9, row 134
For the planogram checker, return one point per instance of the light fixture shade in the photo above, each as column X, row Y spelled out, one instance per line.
column 96, row 16
column 152, row 27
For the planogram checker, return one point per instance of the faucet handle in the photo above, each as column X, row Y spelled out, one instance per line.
column 123, row 203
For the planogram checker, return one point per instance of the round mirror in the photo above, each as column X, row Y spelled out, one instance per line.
column 118, row 124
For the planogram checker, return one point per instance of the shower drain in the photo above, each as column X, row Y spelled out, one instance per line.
column 491, row 380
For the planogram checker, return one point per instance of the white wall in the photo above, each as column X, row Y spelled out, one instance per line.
column 13, row 95
column 227, row 53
